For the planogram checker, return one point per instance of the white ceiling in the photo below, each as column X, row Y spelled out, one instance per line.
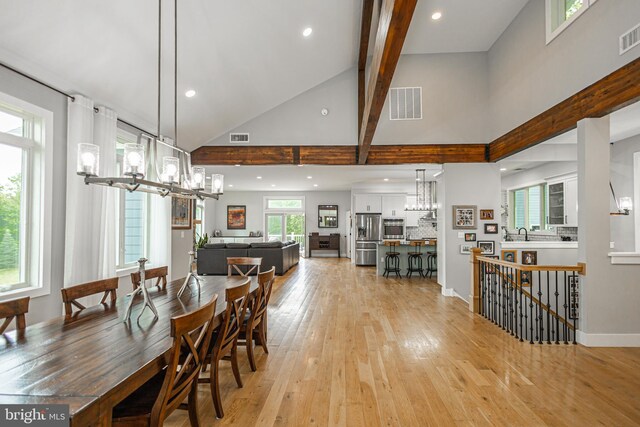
column 242, row 57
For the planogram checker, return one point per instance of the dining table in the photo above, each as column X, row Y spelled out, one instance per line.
column 93, row 359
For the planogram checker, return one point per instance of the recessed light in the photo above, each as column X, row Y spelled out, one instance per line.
column 237, row 166
column 300, row 166
column 230, row 185
column 309, row 177
column 190, row 93
column 436, row 16
column 307, row 31
column 503, row 169
column 259, row 177
column 386, row 179
column 315, row 185
column 273, row 185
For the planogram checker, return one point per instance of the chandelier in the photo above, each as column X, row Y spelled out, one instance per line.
column 425, row 195
column 172, row 175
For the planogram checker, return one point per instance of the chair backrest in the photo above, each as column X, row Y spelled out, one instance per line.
column 191, row 334
column 71, row 294
column 159, row 273
column 237, row 299
column 260, row 303
column 234, row 262
column 14, row 308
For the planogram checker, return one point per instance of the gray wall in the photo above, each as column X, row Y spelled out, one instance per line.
column 622, row 179
column 526, row 76
column 217, row 217
column 47, row 306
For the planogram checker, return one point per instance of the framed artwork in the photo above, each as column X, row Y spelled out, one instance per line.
column 574, row 296
column 529, row 257
column 469, row 237
column 181, row 213
column 465, row 249
column 491, row 228
column 486, row 214
column 464, row 217
column 488, row 247
column 236, row 217
column 509, row 255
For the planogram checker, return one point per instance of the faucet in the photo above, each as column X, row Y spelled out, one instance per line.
column 526, row 234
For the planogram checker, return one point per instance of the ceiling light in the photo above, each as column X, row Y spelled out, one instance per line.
column 237, row 165
column 300, row 166
column 437, row 174
column 190, row 93
column 259, row 177
column 309, row 177
column 386, row 179
column 273, row 185
column 503, row 169
column 307, row 31
column 436, row 16
column 315, row 185
column 230, row 185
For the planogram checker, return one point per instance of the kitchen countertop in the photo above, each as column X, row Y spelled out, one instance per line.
column 543, row 244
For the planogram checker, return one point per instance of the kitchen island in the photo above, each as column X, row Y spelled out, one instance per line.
column 403, row 249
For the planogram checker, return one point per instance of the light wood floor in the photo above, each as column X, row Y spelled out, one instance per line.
column 353, row 349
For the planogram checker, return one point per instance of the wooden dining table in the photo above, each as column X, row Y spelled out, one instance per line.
column 93, row 360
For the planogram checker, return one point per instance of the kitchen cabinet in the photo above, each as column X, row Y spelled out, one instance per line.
column 368, row 203
column 393, row 206
column 562, row 202
column 412, row 216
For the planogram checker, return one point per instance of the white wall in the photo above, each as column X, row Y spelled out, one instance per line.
column 622, row 179
column 216, row 211
column 526, row 76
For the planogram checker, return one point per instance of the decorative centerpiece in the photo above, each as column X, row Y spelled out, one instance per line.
column 145, row 293
column 192, row 274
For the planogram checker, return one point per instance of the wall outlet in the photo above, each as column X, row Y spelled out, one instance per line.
column 460, row 234
column 182, row 234
column 612, row 245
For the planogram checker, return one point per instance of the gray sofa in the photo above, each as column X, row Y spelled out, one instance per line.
column 212, row 259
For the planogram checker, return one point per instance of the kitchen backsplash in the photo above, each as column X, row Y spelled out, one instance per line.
column 425, row 229
column 560, row 233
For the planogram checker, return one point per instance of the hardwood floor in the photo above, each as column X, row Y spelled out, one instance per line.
column 353, row 349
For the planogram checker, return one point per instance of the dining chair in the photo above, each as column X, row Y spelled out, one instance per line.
column 225, row 341
column 235, row 262
column 159, row 273
column 166, row 391
column 71, row 294
column 255, row 325
column 15, row 308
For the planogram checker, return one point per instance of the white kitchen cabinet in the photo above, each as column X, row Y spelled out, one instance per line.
column 571, row 202
column 562, row 202
column 412, row 216
column 368, row 203
column 393, row 206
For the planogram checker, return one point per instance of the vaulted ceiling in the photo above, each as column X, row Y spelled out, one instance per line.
column 242, row 57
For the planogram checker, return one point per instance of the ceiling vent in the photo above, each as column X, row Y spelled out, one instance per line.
column 237, row 138
column 630, row 39
column 405, row 103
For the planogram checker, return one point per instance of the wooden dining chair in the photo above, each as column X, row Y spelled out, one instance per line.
column 71, row 294
column 159, row 273
column 255, row 326
column 225, row 341
column 15, row 308
column 234, row 263
column 164, row 393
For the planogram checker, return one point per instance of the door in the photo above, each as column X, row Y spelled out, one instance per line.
column 285, row 226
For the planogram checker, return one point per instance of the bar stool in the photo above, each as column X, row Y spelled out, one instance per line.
column 415, row 258
column 432, row 264
column 392, row 258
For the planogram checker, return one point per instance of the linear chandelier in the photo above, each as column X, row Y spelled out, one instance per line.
column 138, row 174
column 425, row 195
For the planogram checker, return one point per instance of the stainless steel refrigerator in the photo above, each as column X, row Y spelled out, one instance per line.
column 368, row 235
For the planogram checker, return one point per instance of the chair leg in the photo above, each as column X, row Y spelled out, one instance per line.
column 262, row 333
column 234, row 364
column 215, row 389
column 249, row 344
column 193, row 405
column 396, row 263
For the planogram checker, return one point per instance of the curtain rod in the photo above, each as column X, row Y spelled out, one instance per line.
column 40, row 82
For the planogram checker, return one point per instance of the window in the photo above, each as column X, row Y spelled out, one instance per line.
column 25, row 194
column 528, row 208
column 561, row 13
column 284, row 219
column 199, row 219
column 285, row 203
column 133, row 218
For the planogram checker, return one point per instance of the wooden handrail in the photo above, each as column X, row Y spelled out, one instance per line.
column 524, row 267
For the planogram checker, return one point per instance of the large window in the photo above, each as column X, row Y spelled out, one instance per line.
column 561, row 13
column 528, row 208
column 24, row 183
column 285, row 219
column 133, row 218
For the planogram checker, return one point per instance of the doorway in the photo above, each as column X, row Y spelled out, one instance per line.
column 286, row 226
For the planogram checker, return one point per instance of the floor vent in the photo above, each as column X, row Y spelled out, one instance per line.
column 405, row 103
column 238, row 137
column 630, row 39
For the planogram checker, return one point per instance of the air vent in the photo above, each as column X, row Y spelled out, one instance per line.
column 630, row 39
column 237, row 138
column 405, row 103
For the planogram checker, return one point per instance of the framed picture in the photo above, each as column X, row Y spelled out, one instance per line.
column 464, row 217
column 465, row 249
column 530, row 257
column 469, row 237
column 181, row 213
column 491, row 228
column 488, row 247
column 486, row 214
column 509, row 255
column 236, row 217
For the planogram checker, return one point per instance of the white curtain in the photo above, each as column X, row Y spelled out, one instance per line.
column 160, row 226
column 90, row 234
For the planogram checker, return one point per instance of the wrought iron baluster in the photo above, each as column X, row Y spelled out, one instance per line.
column 557, row 312
column 566, row 317
column 540, row 333
column 520, row 296
column 576, row 305
column 549, row 323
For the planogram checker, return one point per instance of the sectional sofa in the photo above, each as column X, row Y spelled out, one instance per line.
column 212, row 259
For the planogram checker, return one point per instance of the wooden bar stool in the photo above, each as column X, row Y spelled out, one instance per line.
column 415, row 258
column 392, row 258
column 432, row 264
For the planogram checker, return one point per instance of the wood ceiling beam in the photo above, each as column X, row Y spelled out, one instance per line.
column 615, row 91
column 395, row 18
column 437, row 153
column 365, row 33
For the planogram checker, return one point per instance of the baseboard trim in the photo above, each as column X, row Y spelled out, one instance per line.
column 608, row 340
column 448, row 292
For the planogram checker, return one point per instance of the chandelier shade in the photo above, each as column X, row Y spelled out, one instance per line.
column 133, row 160
column 88, row 160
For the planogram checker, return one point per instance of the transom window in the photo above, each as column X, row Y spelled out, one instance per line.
column 528, row 207
column 284, row 203
column 561, row 13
